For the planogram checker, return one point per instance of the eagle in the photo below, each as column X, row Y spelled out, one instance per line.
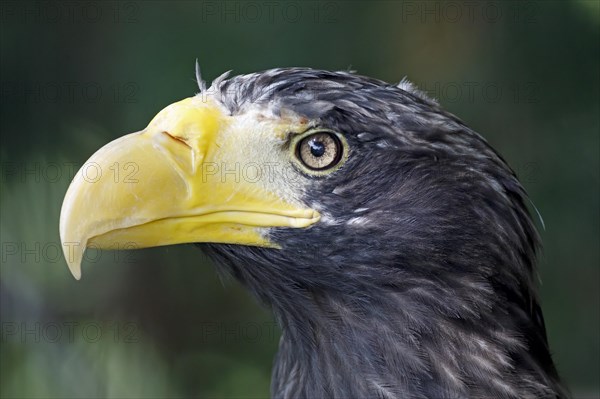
column 393, row 244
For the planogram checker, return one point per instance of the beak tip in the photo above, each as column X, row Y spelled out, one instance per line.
column 76, row 275
column 75, row 269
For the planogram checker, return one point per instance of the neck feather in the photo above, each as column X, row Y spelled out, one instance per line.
column 411, row 341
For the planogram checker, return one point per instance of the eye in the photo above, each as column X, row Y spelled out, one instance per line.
column 320, row 151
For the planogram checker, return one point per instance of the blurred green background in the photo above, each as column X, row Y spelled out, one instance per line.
column 159, row 322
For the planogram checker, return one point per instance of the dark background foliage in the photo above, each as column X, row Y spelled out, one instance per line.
column 158, row 322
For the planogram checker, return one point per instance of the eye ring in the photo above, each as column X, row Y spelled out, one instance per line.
column 319, row 151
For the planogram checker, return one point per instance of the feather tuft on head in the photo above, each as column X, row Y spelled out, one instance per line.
column 410, row 87
column 201, row 82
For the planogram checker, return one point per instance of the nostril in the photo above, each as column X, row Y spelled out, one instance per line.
column 179, row 139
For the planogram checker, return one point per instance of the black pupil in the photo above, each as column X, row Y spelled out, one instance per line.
column 317, row 148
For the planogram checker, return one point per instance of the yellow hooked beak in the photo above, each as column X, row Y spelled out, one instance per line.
column 160, row 187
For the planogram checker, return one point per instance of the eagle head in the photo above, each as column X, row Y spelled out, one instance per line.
column 392, row 243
